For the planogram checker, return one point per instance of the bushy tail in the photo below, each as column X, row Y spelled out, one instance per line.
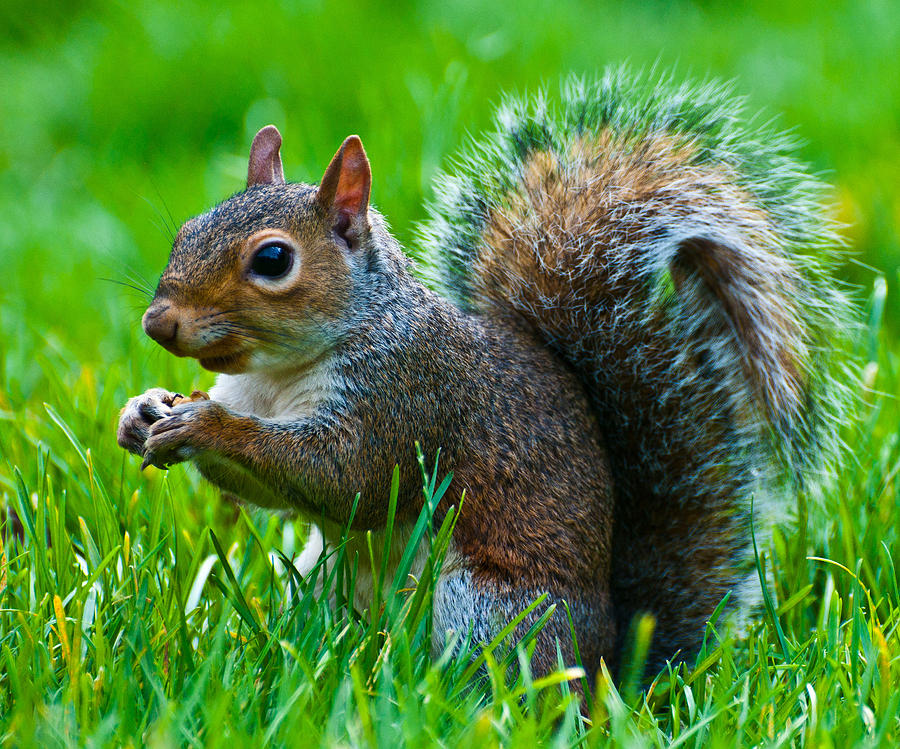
column 677, row 257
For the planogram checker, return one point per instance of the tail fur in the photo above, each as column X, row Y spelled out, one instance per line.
column 678, row 258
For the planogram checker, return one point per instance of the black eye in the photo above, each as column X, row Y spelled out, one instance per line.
column 272, row 261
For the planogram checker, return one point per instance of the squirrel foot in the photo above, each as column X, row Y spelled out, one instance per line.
column 183, row 432
column 143, row 411
column 139, row 414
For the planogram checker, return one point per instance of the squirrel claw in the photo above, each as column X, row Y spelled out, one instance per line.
column 150, row 460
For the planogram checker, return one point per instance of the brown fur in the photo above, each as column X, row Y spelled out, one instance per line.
column 579, row 201
column 552, row 253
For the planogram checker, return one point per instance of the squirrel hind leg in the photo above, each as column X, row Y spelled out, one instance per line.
column 466, row 603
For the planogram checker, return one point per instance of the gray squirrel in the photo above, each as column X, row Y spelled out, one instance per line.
column 631, row 343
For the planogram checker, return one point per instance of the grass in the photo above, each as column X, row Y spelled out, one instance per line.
column 137, row 608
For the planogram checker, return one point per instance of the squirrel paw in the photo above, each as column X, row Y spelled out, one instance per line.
column 184, row 432
column 139, row 414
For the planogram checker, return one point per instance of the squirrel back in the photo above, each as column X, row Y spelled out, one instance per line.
column 677, row 258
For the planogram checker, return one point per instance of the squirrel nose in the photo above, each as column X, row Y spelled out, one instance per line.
column 161, row 324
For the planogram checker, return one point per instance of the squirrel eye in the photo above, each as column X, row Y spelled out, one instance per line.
column 272, row 261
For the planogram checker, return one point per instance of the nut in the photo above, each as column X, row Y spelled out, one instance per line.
column 197, row 395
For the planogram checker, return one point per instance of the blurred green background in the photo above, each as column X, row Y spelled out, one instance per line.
column 115, row 116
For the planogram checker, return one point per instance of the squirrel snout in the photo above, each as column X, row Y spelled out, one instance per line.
column 161, row 324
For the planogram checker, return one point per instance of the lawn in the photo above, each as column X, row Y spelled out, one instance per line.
column 137, row 608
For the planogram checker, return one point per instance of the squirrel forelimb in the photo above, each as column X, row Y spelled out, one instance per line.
column 277, row 464
column 189, row 429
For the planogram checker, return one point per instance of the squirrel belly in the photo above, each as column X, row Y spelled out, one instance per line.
column 631, row 343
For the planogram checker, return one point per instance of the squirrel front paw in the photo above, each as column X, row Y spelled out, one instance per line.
column 139, row 414
column 188, row 428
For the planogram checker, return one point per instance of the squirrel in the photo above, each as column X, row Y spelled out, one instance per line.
column 623, row 340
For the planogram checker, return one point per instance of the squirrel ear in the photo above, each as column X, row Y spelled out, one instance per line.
column 345, row 186
column 265, row 159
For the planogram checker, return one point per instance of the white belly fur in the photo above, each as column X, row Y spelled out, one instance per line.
column 278, row 397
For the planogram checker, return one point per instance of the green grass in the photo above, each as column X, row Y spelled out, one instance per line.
column 140, row 609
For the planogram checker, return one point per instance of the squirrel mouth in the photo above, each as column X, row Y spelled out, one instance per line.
column 228, row 364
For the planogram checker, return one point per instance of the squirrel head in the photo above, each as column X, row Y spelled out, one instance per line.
column 267, row 279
